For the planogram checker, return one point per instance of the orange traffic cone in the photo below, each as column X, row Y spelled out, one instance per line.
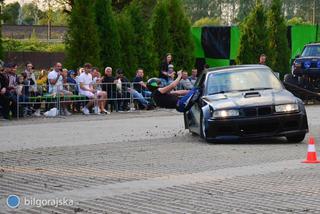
column 312, row 154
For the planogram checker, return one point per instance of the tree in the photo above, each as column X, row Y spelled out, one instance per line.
column 244, row 9
column 207, row 22
column 198, row 9
column 120, row 4
column 306, row 9
column 30, row 14
column 180, row 34
column 160, row 30
column 108, row 34
column 129, row 60
column 142, row 36
column 147, row 8
column 53, row 14
column 11, row 13
column 66, row 5
column 297, row 21
column 82, row 42
column 55, row 18
column 278, row 42
column 1, row 42
column 254, row 36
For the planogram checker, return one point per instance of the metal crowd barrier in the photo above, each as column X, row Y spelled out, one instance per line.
column 116, row 95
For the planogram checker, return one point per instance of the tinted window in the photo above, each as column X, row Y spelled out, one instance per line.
column 312, row 50
column 242, row 80
column 200, row 80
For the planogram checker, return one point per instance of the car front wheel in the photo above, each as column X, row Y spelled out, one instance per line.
column 296, row 138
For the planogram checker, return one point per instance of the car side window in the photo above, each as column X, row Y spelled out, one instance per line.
column 200, row 81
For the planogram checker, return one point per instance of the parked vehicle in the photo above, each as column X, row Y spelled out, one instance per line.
column 306, row 69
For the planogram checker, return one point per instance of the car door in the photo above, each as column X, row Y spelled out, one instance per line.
column 192, row 117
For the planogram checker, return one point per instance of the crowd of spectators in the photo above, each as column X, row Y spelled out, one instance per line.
column 98, row 90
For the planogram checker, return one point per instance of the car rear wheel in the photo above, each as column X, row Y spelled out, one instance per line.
column 296, row 138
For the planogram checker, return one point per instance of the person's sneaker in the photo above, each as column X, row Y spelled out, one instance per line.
column 67, row 113
column 85, row 111
column 105, row 111
column 37, row 113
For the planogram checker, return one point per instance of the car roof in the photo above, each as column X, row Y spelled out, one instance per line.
column 235, row 68
column 313, row 43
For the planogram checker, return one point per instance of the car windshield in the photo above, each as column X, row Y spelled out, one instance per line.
column 311, row 50
column 244, row 80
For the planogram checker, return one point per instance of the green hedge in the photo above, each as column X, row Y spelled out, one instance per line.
column 31, row 45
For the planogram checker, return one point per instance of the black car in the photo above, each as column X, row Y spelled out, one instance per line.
column 245, row 102
column 306, row 68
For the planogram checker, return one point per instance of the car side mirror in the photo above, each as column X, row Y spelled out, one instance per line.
column 277, row 74
column 298, row 56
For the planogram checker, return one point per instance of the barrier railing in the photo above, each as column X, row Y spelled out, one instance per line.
column 119, row 97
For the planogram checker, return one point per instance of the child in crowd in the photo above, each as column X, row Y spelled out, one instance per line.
column 171, row 73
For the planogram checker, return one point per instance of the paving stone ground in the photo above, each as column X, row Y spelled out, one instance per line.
column 145, row 162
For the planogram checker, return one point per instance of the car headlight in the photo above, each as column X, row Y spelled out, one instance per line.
column 297, row 64
column 318, row 64
column 287, row 108
column 225, row 113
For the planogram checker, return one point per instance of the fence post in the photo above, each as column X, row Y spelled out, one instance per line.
column 18, row 110
column 131, row 98
column 58, row 101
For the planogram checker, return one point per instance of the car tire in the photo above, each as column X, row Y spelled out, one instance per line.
column 296, row 138
column 186, row 121
column 289, row 78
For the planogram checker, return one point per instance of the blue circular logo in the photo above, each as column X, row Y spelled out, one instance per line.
column 13, row 201
column 307, row 64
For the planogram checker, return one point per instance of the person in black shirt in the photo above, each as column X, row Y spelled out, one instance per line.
column 109, row 85
column 140, row 91
column 164, row 74
column 123, row 93
column 10, row 70
column 165, row 97
column 4, row 98
column 116, row 88
column 138, row 81
column 139, row 85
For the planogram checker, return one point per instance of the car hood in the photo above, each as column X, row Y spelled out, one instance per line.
column 236, row 100
column 308, row 58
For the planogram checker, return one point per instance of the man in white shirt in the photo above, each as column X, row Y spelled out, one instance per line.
column 56, row 86
column 55, row 79
column 86, row 89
